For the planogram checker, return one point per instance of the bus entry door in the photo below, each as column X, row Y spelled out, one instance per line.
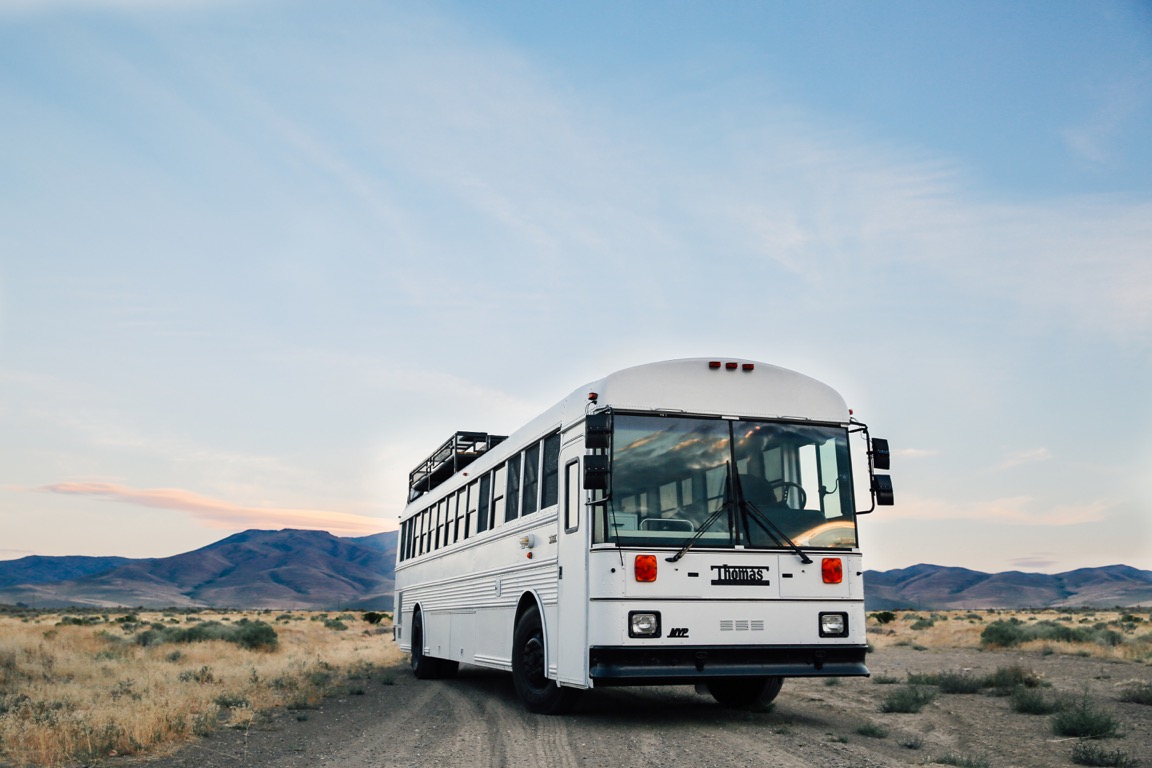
column 571, row 644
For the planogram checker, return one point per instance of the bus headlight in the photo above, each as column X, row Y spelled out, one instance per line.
column 833, row 625
column 643, row 624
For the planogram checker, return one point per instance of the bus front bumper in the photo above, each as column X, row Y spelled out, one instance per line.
column 632, row 665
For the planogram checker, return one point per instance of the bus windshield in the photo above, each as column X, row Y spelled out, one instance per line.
column 676, row 478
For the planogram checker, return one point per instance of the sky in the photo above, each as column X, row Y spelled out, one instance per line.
column 258, row 259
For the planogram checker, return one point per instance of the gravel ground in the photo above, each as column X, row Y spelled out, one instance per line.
column 476, row 720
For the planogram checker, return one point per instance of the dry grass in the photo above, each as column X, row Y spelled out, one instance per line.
column 1119, row 634
column 74, row 692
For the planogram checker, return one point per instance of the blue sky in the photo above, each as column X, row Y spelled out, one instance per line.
column 257, row 259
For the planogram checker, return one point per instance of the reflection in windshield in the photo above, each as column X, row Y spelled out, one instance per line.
column 675, row 478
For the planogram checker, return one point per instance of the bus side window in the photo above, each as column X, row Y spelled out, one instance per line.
column 551, row 473
column 470, row 510
column 484, row 503
column 531, row 476
column 571, row 496
column 423, row 532
column 512, row 496
column 499, row 484
column 461, row 511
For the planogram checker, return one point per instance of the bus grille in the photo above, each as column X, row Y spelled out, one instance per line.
column 741, row 625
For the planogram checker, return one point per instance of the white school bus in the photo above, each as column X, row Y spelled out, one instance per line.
column 682, row 522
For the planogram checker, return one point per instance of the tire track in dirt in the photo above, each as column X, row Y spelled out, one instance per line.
column 476, row 721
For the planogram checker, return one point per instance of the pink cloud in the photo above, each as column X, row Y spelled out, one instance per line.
column 222, row 514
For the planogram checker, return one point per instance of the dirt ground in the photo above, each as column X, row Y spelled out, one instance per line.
column 476, row 720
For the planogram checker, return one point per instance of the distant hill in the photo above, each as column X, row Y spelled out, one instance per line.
column 316, row 570
column 253, row 569
column 37, row 569
column 934, row 586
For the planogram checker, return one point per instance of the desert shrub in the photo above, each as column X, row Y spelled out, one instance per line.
column 873, row 731
column 203, row 675
column 1082, row 719
column 1089, row 753
column 923, row 624
column 231, row 701
column 256, row 635
column 915, row 741
column 885, row 679
column 1137, row 693
column 1003, row 634
column 1029, row 701
column 1009, row 678
column 962, row 761
column 1010, row 633
column 960, row 682
column 373, row 617
column 884, row 617
column 906, row 700
column 253, row 635
column 949, row 682
column 335, row 624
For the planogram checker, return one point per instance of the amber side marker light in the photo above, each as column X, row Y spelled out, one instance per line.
column 832, row 569
column 645, row 567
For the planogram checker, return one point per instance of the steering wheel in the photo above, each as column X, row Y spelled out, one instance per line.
column 801, row 495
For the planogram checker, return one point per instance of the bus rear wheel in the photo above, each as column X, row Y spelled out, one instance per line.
column 423, row 667
column 539, row 694
column 745, row 692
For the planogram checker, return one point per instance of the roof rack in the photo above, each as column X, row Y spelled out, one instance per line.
column 457, row 452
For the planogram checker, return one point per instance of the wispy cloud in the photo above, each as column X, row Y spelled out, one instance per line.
column 1020, row 458
column 1093, row 139
column 915, row 453
column 222, row 514
column 1039, row 561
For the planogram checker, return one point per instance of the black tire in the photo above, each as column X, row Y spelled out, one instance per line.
column 423, row 667
column 539, row 694
column 745, row 692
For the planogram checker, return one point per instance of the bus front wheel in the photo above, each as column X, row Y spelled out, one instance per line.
column 745, row 692
column 539, row 694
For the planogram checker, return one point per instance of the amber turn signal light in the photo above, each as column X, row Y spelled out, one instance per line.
column 832, row 569
column 645, row 567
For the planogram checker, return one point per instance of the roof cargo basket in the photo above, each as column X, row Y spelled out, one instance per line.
column 459, row 451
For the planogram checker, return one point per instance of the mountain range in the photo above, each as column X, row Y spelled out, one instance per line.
column 253, row 569
column 295, row 569
column 933, row 586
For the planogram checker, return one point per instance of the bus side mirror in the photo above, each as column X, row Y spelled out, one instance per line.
column 882, row 488
column 881, row 459
column 598, row 430
column 596, row 473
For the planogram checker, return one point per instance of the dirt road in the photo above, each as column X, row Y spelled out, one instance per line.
column 476, row 720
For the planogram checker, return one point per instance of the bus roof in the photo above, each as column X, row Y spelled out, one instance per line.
column 707, row 386
column 717, row 386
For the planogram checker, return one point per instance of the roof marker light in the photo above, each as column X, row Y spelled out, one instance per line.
column 714, row 365
column 731, row 366
column 749, row 366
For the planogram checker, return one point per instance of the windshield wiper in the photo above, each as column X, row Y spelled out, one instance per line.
column 769, row 527
column 774, row 531
column 724, row 505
